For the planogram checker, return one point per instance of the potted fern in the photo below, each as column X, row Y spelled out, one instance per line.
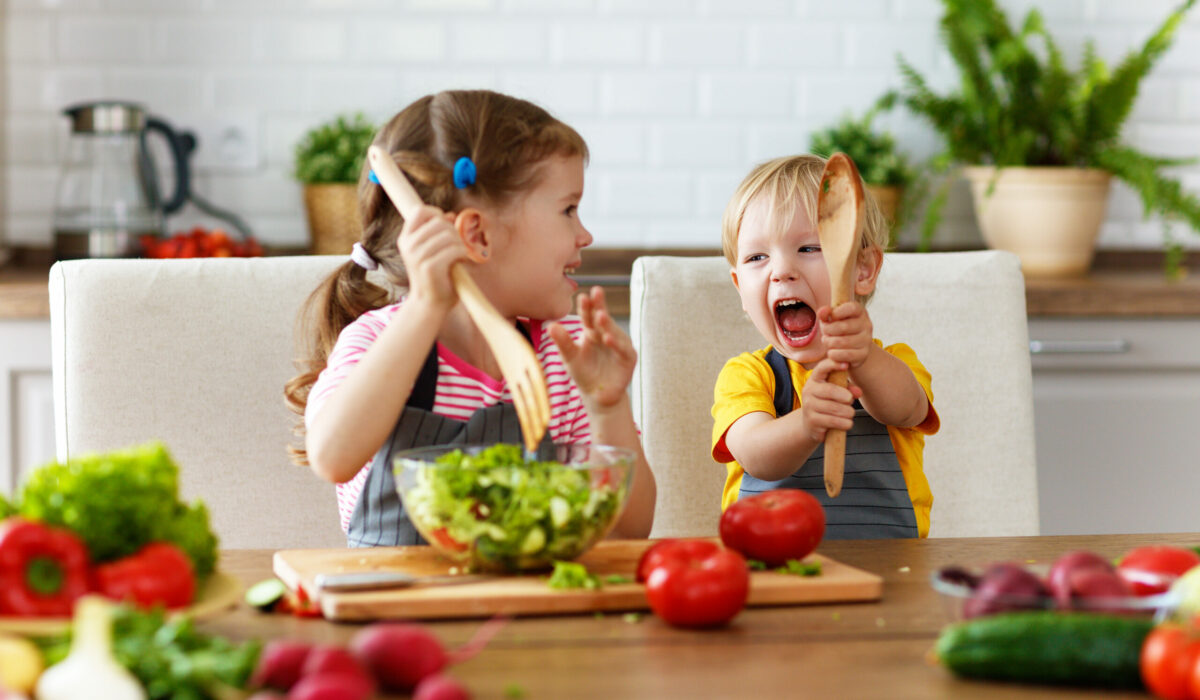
column 886, row 171
column 1041, row 141
column 329, row 159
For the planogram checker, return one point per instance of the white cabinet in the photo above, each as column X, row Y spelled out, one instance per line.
column 26, row 400
column 1117, row 410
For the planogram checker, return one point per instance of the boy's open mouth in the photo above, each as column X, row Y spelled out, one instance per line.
column 796, row 321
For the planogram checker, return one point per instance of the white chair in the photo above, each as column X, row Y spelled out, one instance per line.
column 964, row 315
column 194, row 353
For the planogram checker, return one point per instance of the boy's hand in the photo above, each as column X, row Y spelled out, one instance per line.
column 429, row 245
column 826, row 406
column 847, row 333
column 602, row 359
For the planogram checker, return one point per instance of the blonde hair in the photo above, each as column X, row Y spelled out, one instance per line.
column 787, row 183
column 506, row 137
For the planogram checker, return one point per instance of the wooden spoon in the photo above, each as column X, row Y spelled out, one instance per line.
column 516, row 358
column 839, row 226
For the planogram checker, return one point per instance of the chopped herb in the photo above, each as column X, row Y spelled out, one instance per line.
column 615, row 579
column 632, row 618
column 756, row 565
column 512, row 691
column 569, row 574
column 800, row 568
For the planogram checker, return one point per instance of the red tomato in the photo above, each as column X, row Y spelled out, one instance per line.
column 159, row 573
column 1168, row 661
column 443, row 538
column 673, row 550
column 1153, row 569
column 775, row 526
column 704, row 590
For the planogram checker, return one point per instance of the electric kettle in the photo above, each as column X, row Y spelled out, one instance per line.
column 108, row 190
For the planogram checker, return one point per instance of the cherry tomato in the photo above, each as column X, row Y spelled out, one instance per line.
column 775, row 526
column 670, row 550
column 704, row 590
column 1168, row 661
column 1153, row 569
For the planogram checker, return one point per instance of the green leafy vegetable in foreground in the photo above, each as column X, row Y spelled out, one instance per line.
column 117, row 502
column 514, row 513
column 170, row 658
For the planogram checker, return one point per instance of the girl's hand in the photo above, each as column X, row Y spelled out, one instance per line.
column 847, row 333
column 826, row 406
column 429, row 245
column 602, row 359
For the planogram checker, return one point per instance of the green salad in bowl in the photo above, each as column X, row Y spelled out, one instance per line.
column 495, row 508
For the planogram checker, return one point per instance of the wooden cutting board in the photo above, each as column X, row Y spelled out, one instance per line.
column 528, row 594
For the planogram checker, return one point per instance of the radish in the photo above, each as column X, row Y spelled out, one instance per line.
column 332, row 686
column 439, row 687
column 329, row 658
column 281, row 664
column 399, row 655
column 262, row 695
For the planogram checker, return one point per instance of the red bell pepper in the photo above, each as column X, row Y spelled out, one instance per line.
column 158, row 574
column 43, row 569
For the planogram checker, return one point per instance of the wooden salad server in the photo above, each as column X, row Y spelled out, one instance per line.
column 839, row 227
column 516, row 358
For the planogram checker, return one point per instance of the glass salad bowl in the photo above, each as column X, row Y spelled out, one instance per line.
column 494, row 508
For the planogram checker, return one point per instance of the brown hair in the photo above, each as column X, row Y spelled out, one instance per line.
column 504, row 136
column 783, row 181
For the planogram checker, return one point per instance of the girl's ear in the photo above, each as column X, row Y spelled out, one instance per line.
column 472, row 227
column 869, row 262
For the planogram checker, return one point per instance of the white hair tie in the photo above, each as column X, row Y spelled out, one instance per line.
column 360, row 257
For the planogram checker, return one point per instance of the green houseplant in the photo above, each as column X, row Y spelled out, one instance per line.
column 329, row 159
column 886, row 171
column 1028, row 122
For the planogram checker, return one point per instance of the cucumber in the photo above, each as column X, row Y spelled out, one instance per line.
column 1063, row 648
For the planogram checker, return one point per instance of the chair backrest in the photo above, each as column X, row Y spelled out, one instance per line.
column 963, row 314
column 194, row 353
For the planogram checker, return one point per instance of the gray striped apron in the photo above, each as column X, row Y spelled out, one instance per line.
column 874, row 502
column 379, row 518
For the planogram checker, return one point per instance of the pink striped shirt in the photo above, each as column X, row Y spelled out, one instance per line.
column 461, row 388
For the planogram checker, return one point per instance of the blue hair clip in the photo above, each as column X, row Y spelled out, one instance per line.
column 373, row 177
column 464, row 173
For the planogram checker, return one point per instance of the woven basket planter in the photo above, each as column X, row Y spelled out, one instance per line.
column 333, row 222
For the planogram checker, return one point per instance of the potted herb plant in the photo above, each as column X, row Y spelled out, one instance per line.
column 886, row 171
column 329, row 159
column 1041, row 140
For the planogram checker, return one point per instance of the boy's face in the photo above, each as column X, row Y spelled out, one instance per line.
column 782, row 280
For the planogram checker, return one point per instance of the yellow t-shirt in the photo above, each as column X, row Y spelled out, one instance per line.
column 747, row 384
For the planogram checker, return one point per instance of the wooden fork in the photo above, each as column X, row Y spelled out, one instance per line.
column 839, row 228
column 516, row 358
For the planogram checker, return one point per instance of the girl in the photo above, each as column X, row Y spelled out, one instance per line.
column 501, row 180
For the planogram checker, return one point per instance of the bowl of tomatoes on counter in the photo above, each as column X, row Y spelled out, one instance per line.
column 200, row 243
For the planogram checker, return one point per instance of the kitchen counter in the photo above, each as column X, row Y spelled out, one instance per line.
column 1118, row 287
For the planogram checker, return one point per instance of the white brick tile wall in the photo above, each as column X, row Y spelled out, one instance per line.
column 608, row 42
column 676, row 98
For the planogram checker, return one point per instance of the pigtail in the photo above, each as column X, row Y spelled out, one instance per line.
column 334, row 304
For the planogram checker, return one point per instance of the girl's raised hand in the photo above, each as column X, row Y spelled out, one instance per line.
column 602, row 359
column 429, row 245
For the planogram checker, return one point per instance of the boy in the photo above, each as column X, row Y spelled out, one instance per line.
column 769, row 236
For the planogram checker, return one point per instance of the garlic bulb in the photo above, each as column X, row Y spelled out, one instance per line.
column 90, row 669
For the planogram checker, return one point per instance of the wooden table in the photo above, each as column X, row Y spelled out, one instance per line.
column 863, row 650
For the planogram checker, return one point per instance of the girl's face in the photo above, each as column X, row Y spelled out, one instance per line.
column 539, row 245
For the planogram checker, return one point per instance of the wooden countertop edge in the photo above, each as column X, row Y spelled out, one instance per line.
column 1119, row 286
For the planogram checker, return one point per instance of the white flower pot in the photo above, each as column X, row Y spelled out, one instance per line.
column 1050, row 217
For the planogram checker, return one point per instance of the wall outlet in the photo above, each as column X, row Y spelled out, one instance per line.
column 224, row 142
